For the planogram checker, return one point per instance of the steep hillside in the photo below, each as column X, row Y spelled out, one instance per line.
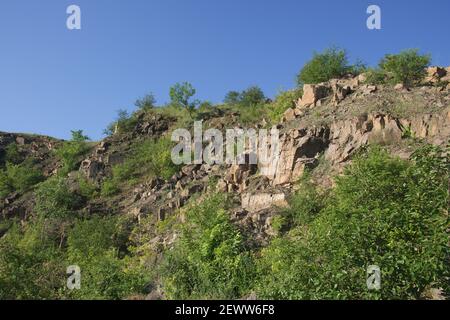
column 159, row 230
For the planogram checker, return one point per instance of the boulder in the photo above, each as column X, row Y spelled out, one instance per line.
column 340, row 92
column 436, row 72
column 257, row 202
column 288, row 115
column 21, row 141
column 400, row 87
column 369, row 89
column 312, row 93
column 435, row 75
column 299, row 150
column 92, row 169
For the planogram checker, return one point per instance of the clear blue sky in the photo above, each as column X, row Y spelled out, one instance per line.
column 53, row 80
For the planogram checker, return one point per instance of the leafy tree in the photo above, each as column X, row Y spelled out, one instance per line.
column 181, row 94
column 124, row 123
column 252, row 97
column 78, row 136
column 232, row 98
column 146, row 103
column 54, row 199
column 332, row 63
column 407, row 67
column 210, row 259
column 70, row 152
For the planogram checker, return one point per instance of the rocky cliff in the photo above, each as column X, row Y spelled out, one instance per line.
column 320, row 133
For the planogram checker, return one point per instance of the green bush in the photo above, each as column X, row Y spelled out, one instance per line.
column 283, row 102
column 110, row 187
column 151, row 158
column 146, row 103
column 91, row 246
column 332, row 63
column 305, row 204
column 407, row 67
column 384, row 211
column 30, row 266
column 13, row 154
column 375, row 76
column 252, row 114
column 87, row 189
column 54, row 199
column 181, row 94
column 232, row 98
column 18, row 177
column 70, row 152
column 251, row 97
column 210, row 259
column 124, row 123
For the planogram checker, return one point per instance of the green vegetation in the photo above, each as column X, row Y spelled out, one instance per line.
column 232, row 98
column 248, row 98
column 54, row 199
column 384, row 211
column 181, row 94
column 31, row 266
column 13, row 154
column 284, row 101
column 18, row 177
column 123, row 123
column 71, row 152
column 210, row 259
column 407, row 67
column 148, row 159
column 146, row 103
column 91, row 246
column 332, row 63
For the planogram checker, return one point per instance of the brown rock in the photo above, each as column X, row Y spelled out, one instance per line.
column 312, row 93
column 399, row 86
column 92, row 169
column 288, row 115
column 261, row 201
column 368, row 89
column 20, row 141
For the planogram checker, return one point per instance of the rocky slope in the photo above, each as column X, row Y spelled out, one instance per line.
column 322, row 132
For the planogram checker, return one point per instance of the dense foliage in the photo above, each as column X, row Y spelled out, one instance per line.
column 330, row 64
column 70, row 152
column 250, row 97
column 18, row 177
column 210, row 258
column 384, row 211
column 407, row 67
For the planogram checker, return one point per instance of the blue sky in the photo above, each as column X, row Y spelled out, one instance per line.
column 53, row 80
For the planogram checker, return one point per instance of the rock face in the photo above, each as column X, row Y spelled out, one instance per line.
column 300, row 148
column 260, row 201
column 329, row 123
column 312, row 94
column 436, row 74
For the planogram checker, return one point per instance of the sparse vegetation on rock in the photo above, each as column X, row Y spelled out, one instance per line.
column 361, row 179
